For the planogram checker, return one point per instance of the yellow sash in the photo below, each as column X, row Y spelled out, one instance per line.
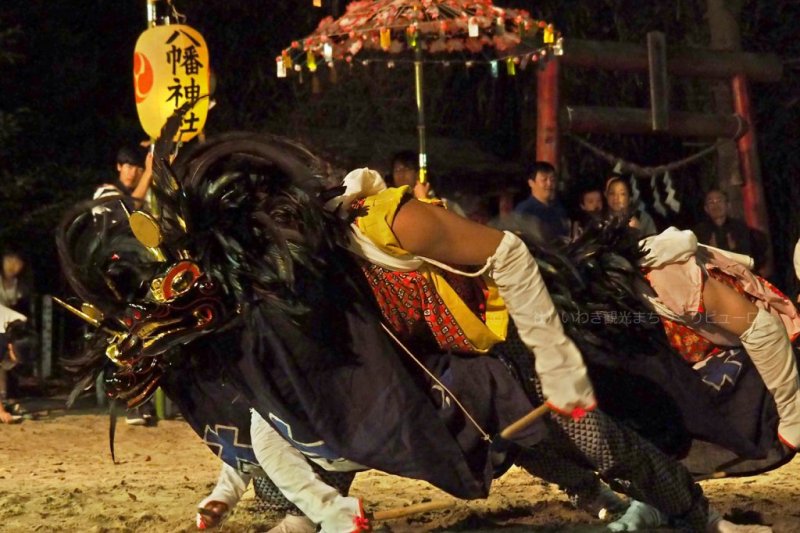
column 376, row 224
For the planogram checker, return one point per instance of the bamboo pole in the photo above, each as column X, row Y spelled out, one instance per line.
column 408, row 510
column 525, row 421
column 420, row 94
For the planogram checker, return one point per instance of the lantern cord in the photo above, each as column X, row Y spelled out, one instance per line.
column 180, row 18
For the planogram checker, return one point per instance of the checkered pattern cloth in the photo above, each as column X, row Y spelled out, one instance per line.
column 270, row 499
column 410, row 304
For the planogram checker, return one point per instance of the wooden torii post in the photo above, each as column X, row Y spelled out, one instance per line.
column 553, row 119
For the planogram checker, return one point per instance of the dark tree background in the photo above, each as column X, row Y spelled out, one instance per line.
column 66, row 103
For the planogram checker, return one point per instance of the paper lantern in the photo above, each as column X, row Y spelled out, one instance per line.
column 171, row 68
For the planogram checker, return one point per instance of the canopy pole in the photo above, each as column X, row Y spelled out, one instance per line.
column 418, row 83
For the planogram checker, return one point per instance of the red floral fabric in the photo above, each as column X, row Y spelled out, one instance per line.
column 692, row 346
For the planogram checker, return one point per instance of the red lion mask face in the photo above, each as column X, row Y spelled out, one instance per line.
column 182, row 305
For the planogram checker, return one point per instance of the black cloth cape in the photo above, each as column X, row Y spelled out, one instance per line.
column 733, row 430
column 336, row 386
column 215, row 409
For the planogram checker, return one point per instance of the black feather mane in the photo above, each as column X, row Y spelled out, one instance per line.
column 595, row 284
column 249, row 212
column 248, row 208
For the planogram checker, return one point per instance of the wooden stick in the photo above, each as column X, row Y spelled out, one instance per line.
column 400, row 512
column 524, row 422
column 713, row 475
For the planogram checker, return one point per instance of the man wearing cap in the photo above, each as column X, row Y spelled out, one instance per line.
column 135, row 169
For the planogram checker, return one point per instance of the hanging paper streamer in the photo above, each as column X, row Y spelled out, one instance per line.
column 618, row 168
column 549, row 34
column 558, row 48
column 472, row 27
column 500, row 26
column 281, row 68
column 437, row 27
column 494, row 69
column 386, row 38
column 671, row 201
column 657, row 205
column 412, row 37
column 511, row 66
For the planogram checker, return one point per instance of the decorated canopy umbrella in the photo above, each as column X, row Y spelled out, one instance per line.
column 424, row 31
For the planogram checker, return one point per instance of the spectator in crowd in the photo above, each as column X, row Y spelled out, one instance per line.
column 542, row 206
column 476, row 208
column 592, row 201
column 618, row 200
column 134, row 172
column 18, row 346
column 591, row 208
column 720, row 230
column 505, row 208
column 405, row 171
column 16, row 287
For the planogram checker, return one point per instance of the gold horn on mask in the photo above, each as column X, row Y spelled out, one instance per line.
column 89, row 314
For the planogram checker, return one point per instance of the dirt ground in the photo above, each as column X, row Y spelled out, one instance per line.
column 56, row 474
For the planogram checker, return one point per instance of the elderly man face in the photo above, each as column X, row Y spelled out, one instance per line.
column 716, row 207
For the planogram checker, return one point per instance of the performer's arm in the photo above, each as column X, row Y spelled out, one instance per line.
column 703, row 300
column 437, row 234
column 230, row 486
column 143, row 185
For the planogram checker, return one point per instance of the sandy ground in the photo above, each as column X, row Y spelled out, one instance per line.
column 56, row 474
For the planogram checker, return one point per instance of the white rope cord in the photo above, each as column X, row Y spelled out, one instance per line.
column 454, row 270
column 436, row 380
column 627, row 167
